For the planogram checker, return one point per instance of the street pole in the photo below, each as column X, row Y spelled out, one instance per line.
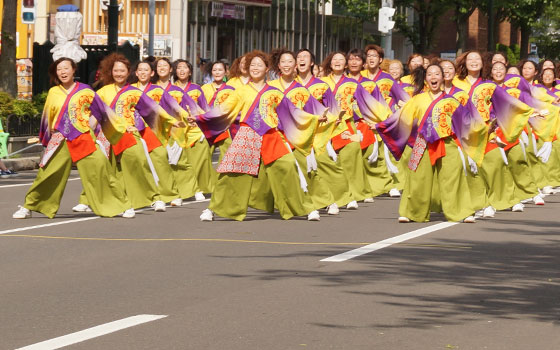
column 113, row 32
column 387, row 39
column 491, row 19
column 151, row 25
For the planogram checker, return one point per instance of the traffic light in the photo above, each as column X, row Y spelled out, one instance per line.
column 28, row 11
column 385, row 24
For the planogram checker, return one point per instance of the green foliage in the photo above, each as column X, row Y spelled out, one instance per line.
column 39, row 101
column 24, row 108
column 6, row 105
column 546, row 32
column 512, row 52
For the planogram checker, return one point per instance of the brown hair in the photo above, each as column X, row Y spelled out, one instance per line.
column 326, row 65
column 377, row 49
column 411, row 57
column 358, row 53
column 254, row 54
column 540, row 76
column 276, row 55
column 176, row 64
column 107, row 64
column 52, row 69
column 461, row 64
column 522, row 63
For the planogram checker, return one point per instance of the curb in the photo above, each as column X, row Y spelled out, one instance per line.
column 19, row 164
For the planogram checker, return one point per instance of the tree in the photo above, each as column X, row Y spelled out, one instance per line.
column 546, row 33
column 8, row 75
column 463, row 10
column 426, row 20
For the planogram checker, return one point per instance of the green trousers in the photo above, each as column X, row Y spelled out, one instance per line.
column 525, row 186
column 234, row 192
column 350, row 159
column 333, row 175
column 185, row 177
column 318, row 189
column 448, row 171
column 167, row 187
column 200, row 159
column 500, row 186
column 103, row 192
column 379, row 178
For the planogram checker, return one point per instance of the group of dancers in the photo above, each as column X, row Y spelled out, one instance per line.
column 465, row 138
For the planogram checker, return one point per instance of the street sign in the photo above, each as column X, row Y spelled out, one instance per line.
column 28, row 11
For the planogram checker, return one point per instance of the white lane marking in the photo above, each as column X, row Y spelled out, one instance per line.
column 77, row 220
column 30, row 183
column 94, row 332
column 388, row 242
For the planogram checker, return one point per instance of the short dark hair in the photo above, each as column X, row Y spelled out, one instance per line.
column 376, row 48
column 52, row 69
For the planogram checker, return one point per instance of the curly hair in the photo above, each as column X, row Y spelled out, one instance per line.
column 276, row 55
column 52, row 69
column 235, row 68
column 254, row 54
column 107, row 64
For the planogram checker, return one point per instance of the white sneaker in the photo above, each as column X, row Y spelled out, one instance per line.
column 479, row 214
column 547, row 190
column 159, row 206
column 527, row 201
column 538, row 200
column 199, row 196
column 352, row 205
column 469, row 220
column 207, row 215
column 81, row 208
column 518, row 208
column 488, row 212
column 333, row 209
column 369, row 200
column 394, row 193
column 403, row 219
column 313, row 216
column 177, row 202
column 129, row 213
column 22, row 213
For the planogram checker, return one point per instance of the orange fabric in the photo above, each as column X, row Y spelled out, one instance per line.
column 126, row 141
column 222, row 136
column 436, row 150
column 338, row 142
column 273, row 146
column 368, row 135
column 490, row 146
column 151, row 139
column 81, row 147
column 502, row 137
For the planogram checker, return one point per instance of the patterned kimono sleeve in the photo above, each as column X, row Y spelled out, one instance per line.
column 113, row 127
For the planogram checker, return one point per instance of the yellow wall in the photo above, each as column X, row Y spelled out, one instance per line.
column 23, row 31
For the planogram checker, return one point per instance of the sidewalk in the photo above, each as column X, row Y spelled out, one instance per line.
column 18, row 164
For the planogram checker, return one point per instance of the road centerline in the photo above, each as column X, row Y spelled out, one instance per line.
column 93, row 332
column 388, row 242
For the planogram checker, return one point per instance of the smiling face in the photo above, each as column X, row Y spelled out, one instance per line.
column 257, row 69
column 473, row 62
column 304, row 61
column 395, row 70
column 144, row 73
column 434, row 78
column 183, row 72
column 355, row 64
column 448, row 70
column 338, row 63
column 528, row 71
column 163, row 69
column 65, row 72
column 218, row 72
column 287, row 65
column 120, row 73
column 548, row 77
column 498, row 57
column 498, row 72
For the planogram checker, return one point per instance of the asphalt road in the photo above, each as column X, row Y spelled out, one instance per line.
column 261, row 284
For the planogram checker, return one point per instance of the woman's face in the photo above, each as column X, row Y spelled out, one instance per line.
column 355, row 64
column 426, row 62
column 416, row 62
column 548, row 65
column 513, row 70
column 65, row 72
column 498, row 72
column 548, row 77
column 474, row 62
column 242, row 66
column 218, row 72
column 287, row 65
column 144, row 73
column 257, row 69
column 163, row 69
column 183, row 72
column 498, row 57
column 528, row 71
column 395, row 70
column 303, row 62
column 120, row 73
column 448, row 70
column 434, row 78
column 338, row 63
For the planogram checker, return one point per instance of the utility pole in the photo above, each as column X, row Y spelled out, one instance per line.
column 151, row 26
column 491, row 20
column 385, row 26
column 113, row 32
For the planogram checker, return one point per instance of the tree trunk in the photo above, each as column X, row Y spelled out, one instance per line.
column 525, row 33
column 462, row 35
column 8, row 75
